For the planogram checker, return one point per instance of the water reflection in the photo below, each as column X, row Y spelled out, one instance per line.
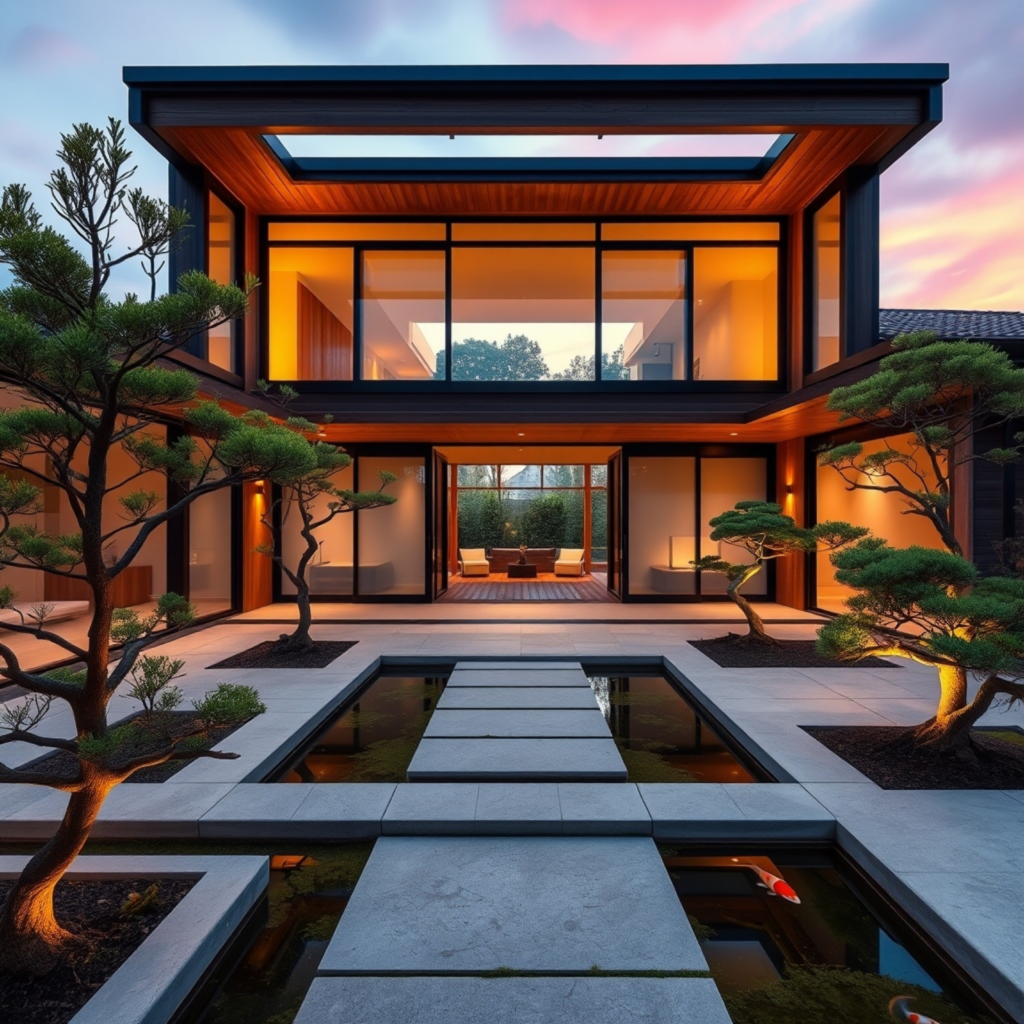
column 660, row 737
column 827, row 957
column 374, row 737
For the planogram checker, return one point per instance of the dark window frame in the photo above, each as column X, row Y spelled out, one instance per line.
column 599, row 245
column 238, row 273
column 810, row 277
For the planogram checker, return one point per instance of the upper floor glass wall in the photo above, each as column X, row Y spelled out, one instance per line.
column 826, row 343
column 221, row 264
column 523, row 301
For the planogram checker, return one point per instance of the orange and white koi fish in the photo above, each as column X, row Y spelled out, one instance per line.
column 776, row 886
column 899, row 1010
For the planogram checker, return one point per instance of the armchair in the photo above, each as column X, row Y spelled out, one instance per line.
column 473, row 562
column 570, row 562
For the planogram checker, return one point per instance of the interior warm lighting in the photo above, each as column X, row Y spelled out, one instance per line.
column 733, row 433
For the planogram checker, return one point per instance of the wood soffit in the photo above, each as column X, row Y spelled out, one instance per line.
column 240, row 159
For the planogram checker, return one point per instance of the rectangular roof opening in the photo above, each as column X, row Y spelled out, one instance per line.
column 753, row 145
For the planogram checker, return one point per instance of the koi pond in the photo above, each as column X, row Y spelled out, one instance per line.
column 268, row 976
column 374, row 735
column 791, row 938
column 661, row 737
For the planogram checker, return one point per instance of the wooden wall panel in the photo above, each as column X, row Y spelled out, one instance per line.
column 324, row 342
column 257, row 569
column 791, row 571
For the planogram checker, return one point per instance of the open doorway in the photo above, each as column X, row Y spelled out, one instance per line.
column 528, row 523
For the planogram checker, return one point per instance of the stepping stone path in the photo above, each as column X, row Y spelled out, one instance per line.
column 534, row 722
column 518, row 929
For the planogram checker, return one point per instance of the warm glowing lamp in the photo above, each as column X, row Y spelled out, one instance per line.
column 681, row 552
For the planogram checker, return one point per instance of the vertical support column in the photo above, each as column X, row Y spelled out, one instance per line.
column 797, row 283
column 257, row 569
column 791, row 571
column 453, row 521
column 252, row 361
column 860, row 263
column 588, row 555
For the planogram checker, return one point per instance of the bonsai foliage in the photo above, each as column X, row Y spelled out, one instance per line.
column 307, row 489
column 941, row 393
column 935, row 608
column 83, row 377
column 762, row 530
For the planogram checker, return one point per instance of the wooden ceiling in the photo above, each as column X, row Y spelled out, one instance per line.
column 245, row 165
column 797, row 421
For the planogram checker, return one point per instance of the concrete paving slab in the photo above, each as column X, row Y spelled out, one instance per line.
column 781, row 811
column 527, row 697
column 254, row 808
column 518, row 723
column 156, row 810
column 515, row 677
column 443, row 808
column 522, row 809
column 697, row 811
column 339, row 810
column 597, row 808
column 542, row 904
column 434, row 1000
column 524, row 665
column 518, row 760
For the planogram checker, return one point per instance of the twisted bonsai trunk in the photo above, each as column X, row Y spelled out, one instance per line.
column 31, row 939
column 299, row 641
column 757, row 634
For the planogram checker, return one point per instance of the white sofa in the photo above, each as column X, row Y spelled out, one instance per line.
column 570, row 562
column 473, row 562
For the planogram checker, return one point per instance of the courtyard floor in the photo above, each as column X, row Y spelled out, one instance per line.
column 950, row 859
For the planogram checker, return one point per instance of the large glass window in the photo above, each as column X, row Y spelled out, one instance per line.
column 662, row 525
column 723, row 482
column 643, row 315
column 210, row 550
column 523, row 313
column 331, row 571
column 827, row 294
column 310, row 313
column 735, row 313
column 221, row 261
column 403, row 314
column 598, row 516
column 393, row 539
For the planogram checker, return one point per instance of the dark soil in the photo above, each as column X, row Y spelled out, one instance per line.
column 61, row 763
column 730, row 652
column 264, row 656
column 888, row 757
column 91, row 909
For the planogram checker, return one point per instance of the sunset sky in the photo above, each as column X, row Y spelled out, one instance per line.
column 952, row 209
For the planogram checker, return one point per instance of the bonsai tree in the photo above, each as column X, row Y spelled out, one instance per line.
column 301, row 491
column 935, row 608
column 87, row 375
column 762, row 530
column 942, row 393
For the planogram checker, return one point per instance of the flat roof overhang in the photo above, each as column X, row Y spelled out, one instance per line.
column 830, row 117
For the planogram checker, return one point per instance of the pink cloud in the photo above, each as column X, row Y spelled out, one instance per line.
column 46, row 49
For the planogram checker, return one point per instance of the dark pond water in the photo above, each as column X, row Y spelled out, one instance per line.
column 308, row 891
column 373, row 737
column 660, row 736
column 829, row 957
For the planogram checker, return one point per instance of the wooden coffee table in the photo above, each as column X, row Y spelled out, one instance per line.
column 522, row 570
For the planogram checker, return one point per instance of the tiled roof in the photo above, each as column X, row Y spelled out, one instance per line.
column 952, row 323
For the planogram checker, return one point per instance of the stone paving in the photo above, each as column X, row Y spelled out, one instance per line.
column 950, row 859
column 531, row 743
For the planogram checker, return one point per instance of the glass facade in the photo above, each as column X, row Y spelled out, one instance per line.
column 671, row 502
column 210, row 552
column 826, row 332
column 523, row 314
column 524, row 302
column 221, row 263
column 402, row 304
column 643, row 314
column 392, row 540
column 311, row 313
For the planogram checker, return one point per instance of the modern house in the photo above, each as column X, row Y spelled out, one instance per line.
column 642, row 323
